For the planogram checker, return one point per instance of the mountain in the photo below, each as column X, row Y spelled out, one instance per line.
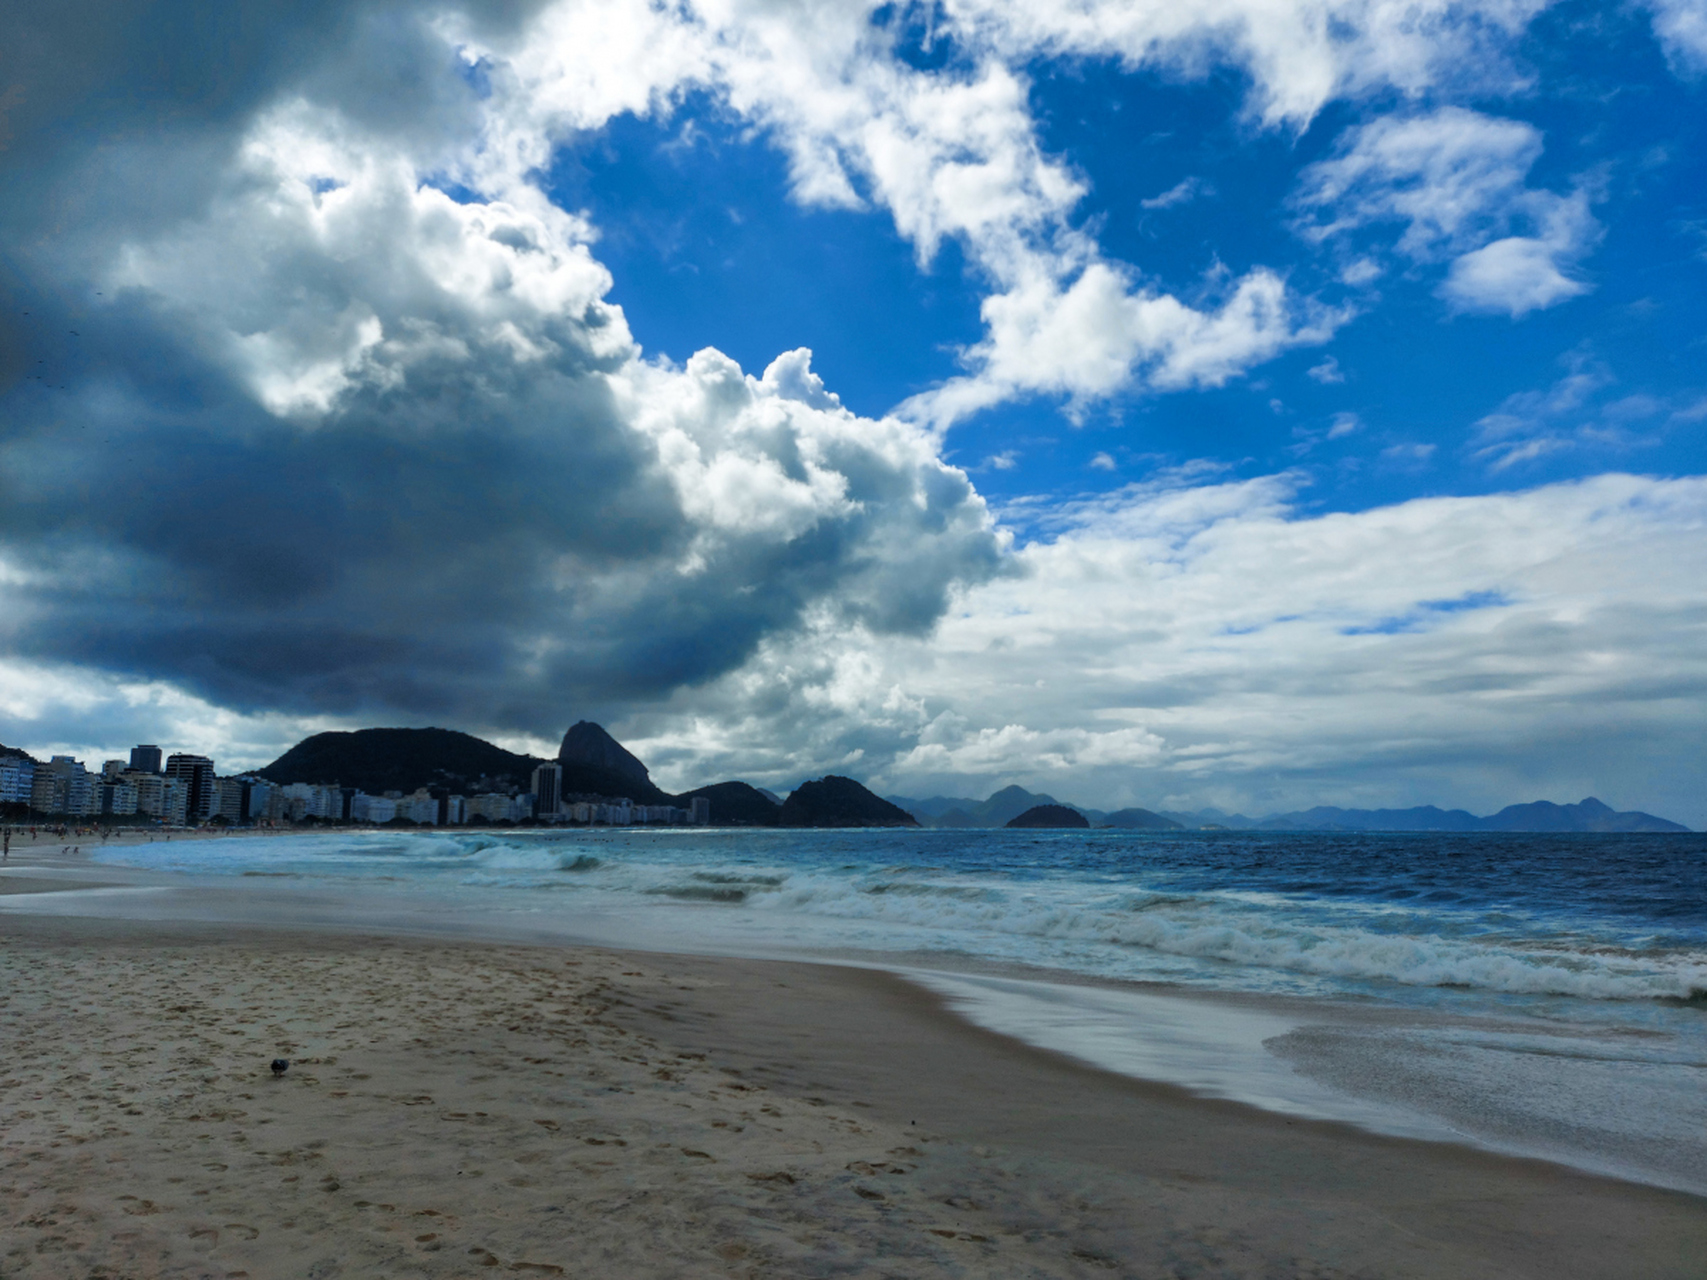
column 1589, row 815
column 735, row 804
column 594, row 763
column 1049, row 815
column 1140, row 820
column 9, row 753
column 834, row 801
column 935, row 807
column 953, row 811
column 381, row 760
column 1422, row 818
column 1586, row 815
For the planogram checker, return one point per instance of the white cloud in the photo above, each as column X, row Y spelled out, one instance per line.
column 1456, row 179
column 1298, row 54
column 1182, row 192
column 1212, row 644
column 954, row 152
column 1326, row 373
column 1519, row 274
column 1104, row 462
column 416, row 419
column 1681, row 26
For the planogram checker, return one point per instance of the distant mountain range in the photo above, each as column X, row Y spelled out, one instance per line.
column 1008, row 803
column 1541, row 815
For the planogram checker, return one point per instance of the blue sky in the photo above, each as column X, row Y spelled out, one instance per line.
column 707, row 248
column 1256, row 405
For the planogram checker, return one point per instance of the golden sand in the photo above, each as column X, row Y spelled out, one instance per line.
column 474, row 1110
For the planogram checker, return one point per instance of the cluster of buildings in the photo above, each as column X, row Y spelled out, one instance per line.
column 183, row 790
column 551, row 805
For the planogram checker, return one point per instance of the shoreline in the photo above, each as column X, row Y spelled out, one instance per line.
column 1067, row 1169
column 1219, row 1045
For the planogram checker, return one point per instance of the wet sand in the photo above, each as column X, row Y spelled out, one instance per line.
column 458, row 1109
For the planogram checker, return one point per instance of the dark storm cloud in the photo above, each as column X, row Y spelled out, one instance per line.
column 290, row 430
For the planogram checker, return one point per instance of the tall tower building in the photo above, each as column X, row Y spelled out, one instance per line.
column 547, row 784
column 201, row 797
column 145, row 759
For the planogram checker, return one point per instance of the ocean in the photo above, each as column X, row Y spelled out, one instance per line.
column 1540, row 995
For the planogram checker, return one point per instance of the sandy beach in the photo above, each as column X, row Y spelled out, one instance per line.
column 458, row 1109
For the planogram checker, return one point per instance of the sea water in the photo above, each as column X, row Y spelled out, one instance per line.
column 1538, row 994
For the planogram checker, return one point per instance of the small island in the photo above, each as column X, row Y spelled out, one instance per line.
column 1050, row 816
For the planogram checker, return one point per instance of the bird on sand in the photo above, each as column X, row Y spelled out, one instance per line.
column 280, row 1066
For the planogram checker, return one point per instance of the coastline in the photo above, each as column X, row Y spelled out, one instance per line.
column 779, row 1118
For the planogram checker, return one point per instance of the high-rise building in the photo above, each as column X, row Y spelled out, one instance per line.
column 701, row 811
column 150, row 791
column 145, row 759
column 228, row 799
column 118, row 797
column 257, row 799
column 174, row 801
column 201, row 796
column 547, row 783
column 17, row 778
column 63, row 785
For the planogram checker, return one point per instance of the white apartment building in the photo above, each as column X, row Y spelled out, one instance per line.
column 228, row 799
column 263, row 803
column 17, row 779
column 366, row 808
column 64, row 786
column 312, row 800
column 420, row 808
column 118, row 797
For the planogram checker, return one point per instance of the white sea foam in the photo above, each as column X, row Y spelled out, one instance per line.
column 1098, row 925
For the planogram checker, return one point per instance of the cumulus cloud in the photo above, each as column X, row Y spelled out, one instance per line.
column 1681, row 26
column 953, row 152
column 351, row 444
column 1456, row 179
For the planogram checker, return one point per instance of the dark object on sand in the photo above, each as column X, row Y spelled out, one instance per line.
column 280, row 1066
column 1050, row 815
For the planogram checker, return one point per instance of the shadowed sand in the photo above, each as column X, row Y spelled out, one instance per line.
column 459, row 1110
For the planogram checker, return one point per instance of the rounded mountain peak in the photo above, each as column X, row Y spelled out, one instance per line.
column 588, row 744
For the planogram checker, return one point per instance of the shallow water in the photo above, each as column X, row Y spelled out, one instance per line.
column 1536, row 994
